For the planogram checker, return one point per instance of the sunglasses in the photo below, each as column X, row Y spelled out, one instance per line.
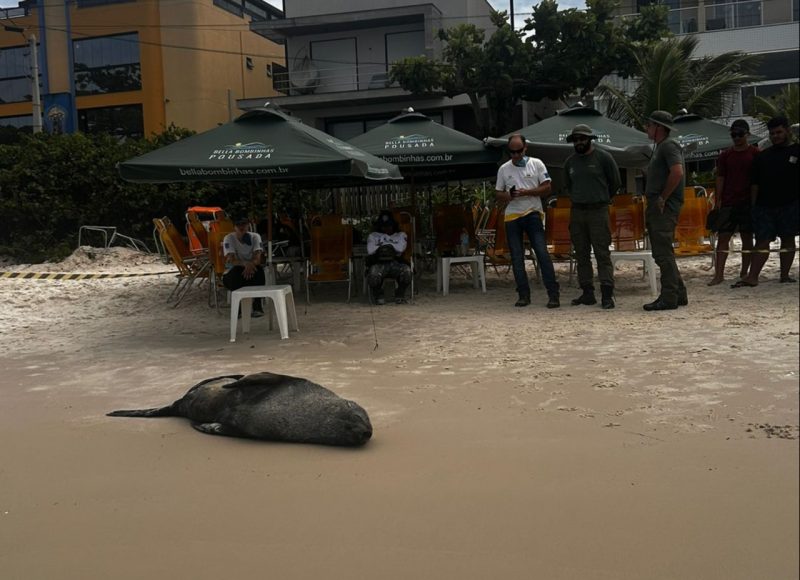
column 516, row 151
column 737, row 134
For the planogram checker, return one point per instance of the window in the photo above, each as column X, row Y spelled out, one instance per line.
column 337, row 63
column 124, row 121
column 91, row 3
column 400, row 45
column 15, row 70
column 17, row 122
column 257, row 10
column 723, row 14
column 107, row 65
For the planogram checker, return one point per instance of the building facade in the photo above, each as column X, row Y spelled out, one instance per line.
column 133, row 67
column 769, row 28
column 338, row 54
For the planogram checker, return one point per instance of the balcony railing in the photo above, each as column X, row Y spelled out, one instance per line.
column 682, row 20
column 316, row 77
column 16, row 12
column 725, row 16
column 733, row 15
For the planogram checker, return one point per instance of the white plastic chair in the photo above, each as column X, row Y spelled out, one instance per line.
column 281, row 297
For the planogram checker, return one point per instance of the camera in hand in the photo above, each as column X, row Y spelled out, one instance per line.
column 513, row 191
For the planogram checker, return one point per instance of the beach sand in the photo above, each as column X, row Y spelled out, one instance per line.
column 508, row 443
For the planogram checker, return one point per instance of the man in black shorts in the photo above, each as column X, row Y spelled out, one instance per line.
column 732, row 199
column 776, row 179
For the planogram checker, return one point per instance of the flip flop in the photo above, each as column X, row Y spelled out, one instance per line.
column 743, row 284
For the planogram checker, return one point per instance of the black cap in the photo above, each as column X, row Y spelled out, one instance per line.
column 740, row 124
column 386, row 218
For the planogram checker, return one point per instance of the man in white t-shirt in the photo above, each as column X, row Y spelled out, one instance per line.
column 522, row 182
column 243, row 250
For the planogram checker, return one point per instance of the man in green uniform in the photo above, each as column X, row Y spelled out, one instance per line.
column 664, row 191
column 592, row 178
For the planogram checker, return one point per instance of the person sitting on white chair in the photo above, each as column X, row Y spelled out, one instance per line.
column 243, row 250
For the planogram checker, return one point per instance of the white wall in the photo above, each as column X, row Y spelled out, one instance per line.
column 370, row 53
column 474, row 11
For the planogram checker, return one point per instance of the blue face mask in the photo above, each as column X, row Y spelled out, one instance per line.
column 521, row 162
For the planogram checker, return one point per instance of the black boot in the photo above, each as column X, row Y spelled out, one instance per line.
column 607, row 298
column 400, row 294
column 524, row 299
column 553, row 300
column 586, row 298
column 683, row 297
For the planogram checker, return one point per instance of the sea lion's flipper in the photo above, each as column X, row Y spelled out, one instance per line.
column 167, row 411
column 206, row 381
column 261, row 380
column 217, row 429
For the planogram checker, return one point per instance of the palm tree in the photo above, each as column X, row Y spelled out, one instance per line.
column 669, row 79
column 786, row 103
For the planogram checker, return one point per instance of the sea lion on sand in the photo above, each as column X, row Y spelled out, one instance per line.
column 268, row 406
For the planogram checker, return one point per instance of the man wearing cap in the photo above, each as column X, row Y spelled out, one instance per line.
column 242, row 250
column 592, row 178
column 776, row 210
column 521, row 183
column 732, row 199
column 664, row 191
column 385, row 247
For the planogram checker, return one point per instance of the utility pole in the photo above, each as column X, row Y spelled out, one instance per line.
column 511, row 12
column 35, row 94
column 37, row 98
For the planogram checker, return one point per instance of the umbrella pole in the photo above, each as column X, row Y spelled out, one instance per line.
column 269, row 223
column 413, row 195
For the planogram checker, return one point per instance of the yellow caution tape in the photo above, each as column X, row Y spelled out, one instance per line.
column 68, row 276
column 781, row 251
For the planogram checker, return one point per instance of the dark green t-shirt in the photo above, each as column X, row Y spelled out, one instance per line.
column 667, row 154
column 591, row 178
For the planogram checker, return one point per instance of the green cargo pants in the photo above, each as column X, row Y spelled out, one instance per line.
column 590, row 230
column 661, row 230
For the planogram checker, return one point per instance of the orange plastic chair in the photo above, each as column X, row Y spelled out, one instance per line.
column 691, row 234
column 331, row 251
column 217, row 258
column 198, row 219
column 407, row 224
column 191, row 266
column 559, row 242
column 497, row 252
column 627, row 222
column 326, row 220
column 449, row 222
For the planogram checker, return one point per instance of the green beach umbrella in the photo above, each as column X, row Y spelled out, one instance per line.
column 701, row 138
column 547, row 139
column 427, row 150
column 261, row 144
